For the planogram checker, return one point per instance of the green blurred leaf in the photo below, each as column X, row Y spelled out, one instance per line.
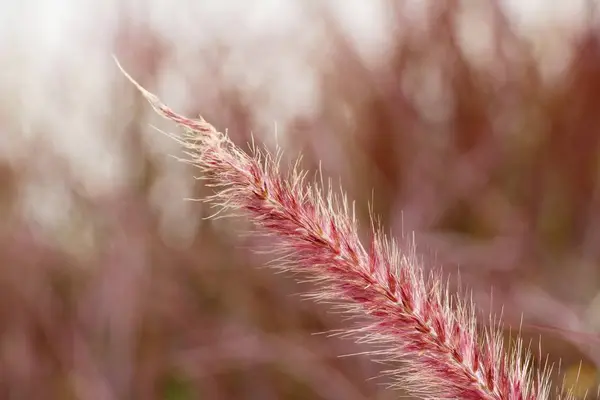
column 177, row 388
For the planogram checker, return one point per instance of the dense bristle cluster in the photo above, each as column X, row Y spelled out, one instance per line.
column 431, row 337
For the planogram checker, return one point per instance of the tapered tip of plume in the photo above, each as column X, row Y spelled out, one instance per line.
column 152, row 99
column 199, row 125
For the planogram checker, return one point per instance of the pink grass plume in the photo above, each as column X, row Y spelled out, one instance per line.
column 429, row 336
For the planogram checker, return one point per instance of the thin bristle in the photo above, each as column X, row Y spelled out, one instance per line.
column 430, row 337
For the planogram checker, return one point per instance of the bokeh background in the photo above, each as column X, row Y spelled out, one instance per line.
column 474, row 124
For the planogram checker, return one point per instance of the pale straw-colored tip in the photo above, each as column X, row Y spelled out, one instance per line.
column 198, row 125
column 151, row 97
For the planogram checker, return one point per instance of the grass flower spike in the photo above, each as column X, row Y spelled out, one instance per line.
column 430, row 337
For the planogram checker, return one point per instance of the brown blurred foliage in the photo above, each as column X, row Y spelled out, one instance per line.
column 489, row 152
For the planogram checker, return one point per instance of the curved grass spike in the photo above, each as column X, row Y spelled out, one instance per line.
column 430, row 336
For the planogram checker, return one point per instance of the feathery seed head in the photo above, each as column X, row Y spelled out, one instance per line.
column 431, row 337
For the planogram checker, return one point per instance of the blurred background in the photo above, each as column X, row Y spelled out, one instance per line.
column 474, row 124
